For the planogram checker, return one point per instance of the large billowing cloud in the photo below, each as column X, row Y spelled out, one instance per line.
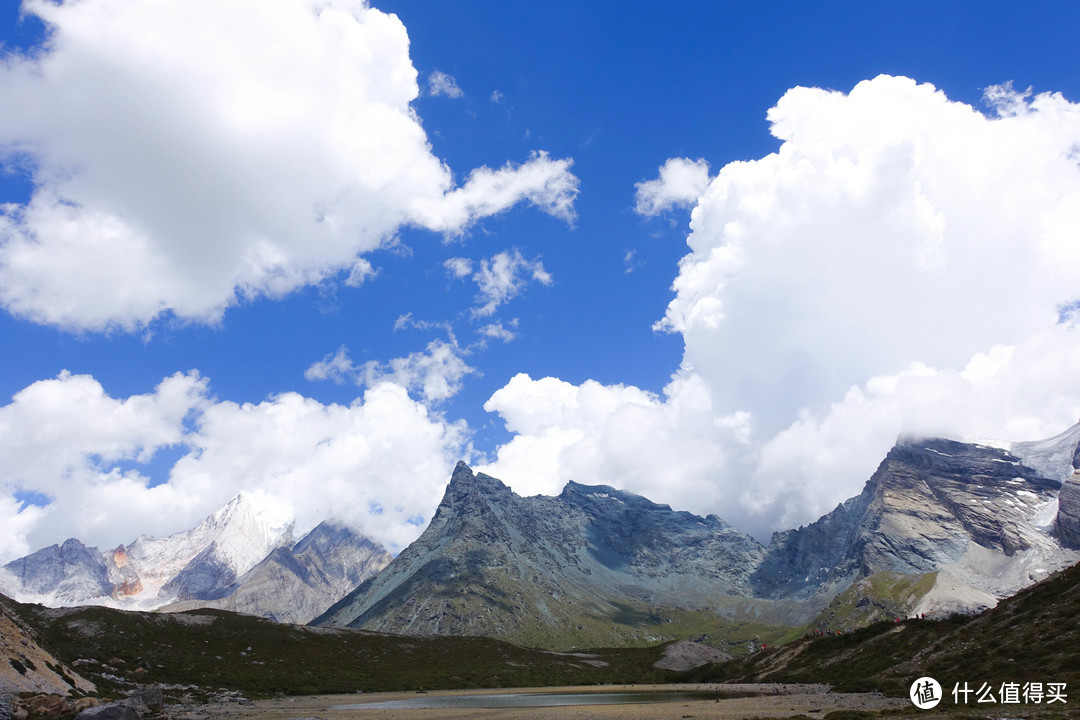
column 902, row 263
column 665, row 448
column 379, row 464
column 188, row 153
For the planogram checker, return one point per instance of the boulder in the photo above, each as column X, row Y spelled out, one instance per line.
column 149, row 696
column 48, row 706
column 111, row 711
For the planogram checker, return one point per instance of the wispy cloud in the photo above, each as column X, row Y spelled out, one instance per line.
column 503, row 277
column 459, row 267
column 444, row 85
column 435, row 374
column 499, row 331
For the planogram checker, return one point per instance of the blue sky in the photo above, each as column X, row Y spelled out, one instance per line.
column 610, row 90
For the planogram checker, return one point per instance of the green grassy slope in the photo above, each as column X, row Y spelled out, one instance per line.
column 879, row 597
column 1033, row 636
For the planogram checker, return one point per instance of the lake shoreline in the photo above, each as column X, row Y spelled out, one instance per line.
column 758, row 700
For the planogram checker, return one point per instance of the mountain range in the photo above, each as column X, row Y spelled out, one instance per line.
column 242, row 557
column 941, row 526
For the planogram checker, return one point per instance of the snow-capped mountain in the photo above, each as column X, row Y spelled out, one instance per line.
column 296, row 584
column 197, row 566
column 198, row 563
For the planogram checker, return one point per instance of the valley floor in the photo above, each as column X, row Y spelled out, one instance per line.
column 780, row 701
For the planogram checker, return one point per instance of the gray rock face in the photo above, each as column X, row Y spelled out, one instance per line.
column 1067, row 525
column 687, row 655
column 926, row 504
column 67, row 572
column 206, row 577
column 122, row 573
column 493, row 563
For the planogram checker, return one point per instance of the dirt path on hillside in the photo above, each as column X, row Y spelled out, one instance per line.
column 779, row 701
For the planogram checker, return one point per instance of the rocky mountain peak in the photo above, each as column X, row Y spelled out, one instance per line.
column 326, row 536
column 494, row 563
column 972, row 512
column 470, row 494
column 61, row 572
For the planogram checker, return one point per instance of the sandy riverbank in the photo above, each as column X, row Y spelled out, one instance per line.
column 775, row 701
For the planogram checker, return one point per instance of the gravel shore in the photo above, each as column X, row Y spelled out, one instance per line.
column 771, row 700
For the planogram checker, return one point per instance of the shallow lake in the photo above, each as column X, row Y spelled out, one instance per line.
column 533, row 700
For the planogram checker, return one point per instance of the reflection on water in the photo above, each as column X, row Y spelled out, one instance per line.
column 533, row 700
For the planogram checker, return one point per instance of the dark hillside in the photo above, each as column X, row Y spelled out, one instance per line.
column 1033, row 636
column 211, row 649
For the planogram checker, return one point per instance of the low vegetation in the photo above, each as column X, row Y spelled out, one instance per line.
column 1031, row 637
column 199, row 651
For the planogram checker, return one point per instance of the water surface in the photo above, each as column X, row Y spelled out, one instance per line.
column 533, row 700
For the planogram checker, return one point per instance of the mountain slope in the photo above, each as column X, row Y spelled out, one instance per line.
column 574, row 570
column 295, row 584
column 194, row 564
column 67, row 573
column 973, row 515
column 25, row 666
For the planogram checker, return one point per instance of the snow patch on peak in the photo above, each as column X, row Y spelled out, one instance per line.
column 248, row 528
column 607, row 496
column 1053, row 457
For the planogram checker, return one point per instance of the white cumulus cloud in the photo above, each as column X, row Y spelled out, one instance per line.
column 337, row 368
column 379, row 464
column 666, row 448
column 188, row 154
column 901, row 263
